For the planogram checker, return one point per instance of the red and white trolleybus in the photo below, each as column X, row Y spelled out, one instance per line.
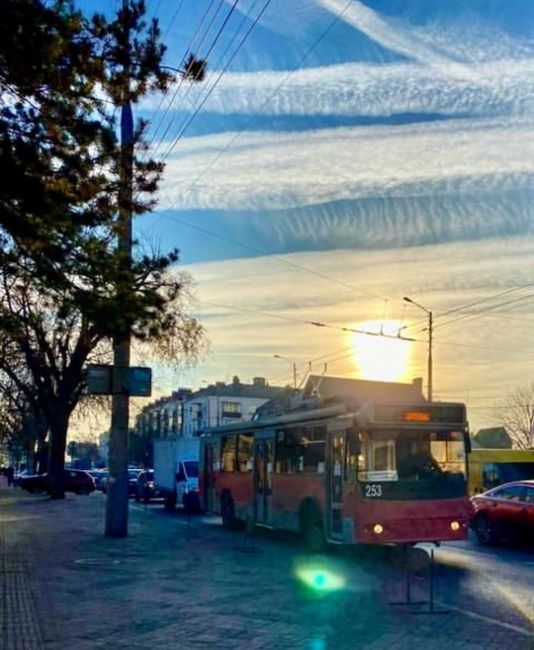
column 377, row 474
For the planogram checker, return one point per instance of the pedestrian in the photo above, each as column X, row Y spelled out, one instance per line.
column 10, row 474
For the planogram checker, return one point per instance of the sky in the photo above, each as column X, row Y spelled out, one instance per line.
column 339, row 156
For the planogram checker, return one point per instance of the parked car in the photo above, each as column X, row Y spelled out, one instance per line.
column 504, row 513
column 132, row 482
column 75, row 480
column 146, row 488
column 17, row 478
column 133, row 474
column 100, row 475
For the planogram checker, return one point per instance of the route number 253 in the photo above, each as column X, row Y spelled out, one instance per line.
column 373, row 491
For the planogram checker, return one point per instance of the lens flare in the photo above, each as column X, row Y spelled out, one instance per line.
column 320, row 579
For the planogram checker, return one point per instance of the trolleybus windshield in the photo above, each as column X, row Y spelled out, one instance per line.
column 414, row 463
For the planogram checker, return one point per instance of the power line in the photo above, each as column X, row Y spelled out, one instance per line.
column 255, row 249
column 483, row 311
column 481, row 300
column 216, row 82
column 204, row 56
column 240, row 132
column 177, row 89
column 242, row 245
column 470, row 304
column 221, row 57
column 174, row 16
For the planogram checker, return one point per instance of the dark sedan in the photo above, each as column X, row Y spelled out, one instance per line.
column 505, row 513
column 146, row 489
column 74, row 480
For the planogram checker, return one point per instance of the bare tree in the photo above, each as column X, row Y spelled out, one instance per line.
column 23, row 428
column 517, row 416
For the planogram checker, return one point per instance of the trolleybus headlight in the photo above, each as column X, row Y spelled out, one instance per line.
column 378, row 529
column 455, row 525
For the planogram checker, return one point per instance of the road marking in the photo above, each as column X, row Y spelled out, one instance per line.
column 487, row 619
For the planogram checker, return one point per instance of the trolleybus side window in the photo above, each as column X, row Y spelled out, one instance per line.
column 301, row 449
column 228, row 453
column 353, row 450
column 244, row 452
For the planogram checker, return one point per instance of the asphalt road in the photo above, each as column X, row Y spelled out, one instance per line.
column 492, row 585
column 176, row 582
column 492, row 582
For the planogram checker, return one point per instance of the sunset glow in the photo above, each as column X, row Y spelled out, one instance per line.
column 378, row 357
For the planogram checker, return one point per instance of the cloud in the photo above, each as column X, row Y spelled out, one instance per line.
column 281, row 171
column 445, row 46
column 366, row 89
column 395, row 35
column 297, row 15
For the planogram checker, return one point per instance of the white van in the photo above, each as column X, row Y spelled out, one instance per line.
column 176, row 471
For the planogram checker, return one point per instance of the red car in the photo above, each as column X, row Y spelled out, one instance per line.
column 75, row 480
column 505, row 513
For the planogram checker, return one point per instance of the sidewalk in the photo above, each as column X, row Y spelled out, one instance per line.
column 178, row 584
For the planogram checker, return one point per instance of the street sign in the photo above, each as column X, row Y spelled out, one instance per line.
column 140, row 382
column 107, row 380
column 98, row 379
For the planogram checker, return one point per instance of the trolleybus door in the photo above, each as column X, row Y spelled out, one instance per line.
column 263, row 469
column 336, row 444
column 209, row 478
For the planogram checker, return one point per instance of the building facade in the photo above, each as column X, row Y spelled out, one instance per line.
column 187, row 413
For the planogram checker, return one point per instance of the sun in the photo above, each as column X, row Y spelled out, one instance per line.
column 379, row 357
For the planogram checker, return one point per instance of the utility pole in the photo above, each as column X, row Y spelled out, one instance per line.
column 117, row 493
column 430, row 326
column 279, row 356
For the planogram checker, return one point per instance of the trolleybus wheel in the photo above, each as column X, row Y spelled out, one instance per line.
column 228, row 512
column 484, row 530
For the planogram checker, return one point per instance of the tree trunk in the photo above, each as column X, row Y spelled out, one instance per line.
column 58, row 444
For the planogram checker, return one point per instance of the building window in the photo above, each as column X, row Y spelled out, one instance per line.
column 196, row 417
column 231, row 409
column 165, row 425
